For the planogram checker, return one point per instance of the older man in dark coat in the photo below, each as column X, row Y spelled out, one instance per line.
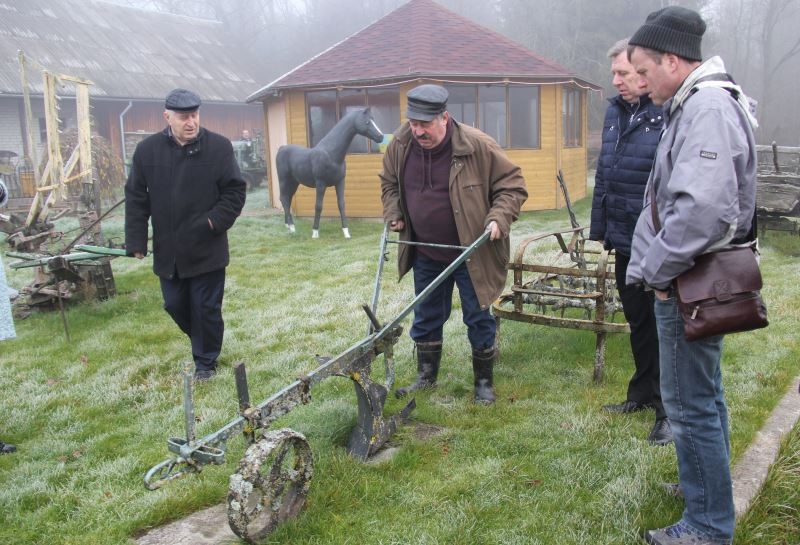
column 185, row 180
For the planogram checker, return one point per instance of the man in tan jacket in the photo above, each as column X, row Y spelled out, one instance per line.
column 444, row 183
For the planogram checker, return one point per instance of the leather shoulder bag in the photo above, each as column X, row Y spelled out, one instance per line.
column 721, row 293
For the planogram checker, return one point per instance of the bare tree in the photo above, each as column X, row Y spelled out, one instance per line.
column 577, row 34
column 758, row 40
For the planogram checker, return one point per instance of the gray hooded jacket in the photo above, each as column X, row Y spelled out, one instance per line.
column 704, row 178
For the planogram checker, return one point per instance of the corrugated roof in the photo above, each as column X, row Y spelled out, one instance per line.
column 420, row 39
column 126, row 53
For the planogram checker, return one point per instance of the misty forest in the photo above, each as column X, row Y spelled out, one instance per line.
column 757, row 39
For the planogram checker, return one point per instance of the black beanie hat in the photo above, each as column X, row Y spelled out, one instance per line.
column 673, row 30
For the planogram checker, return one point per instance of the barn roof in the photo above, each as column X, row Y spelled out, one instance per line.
column 126, row 53
column 420, row 39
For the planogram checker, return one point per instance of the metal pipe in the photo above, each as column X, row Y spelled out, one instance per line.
column 122, row 136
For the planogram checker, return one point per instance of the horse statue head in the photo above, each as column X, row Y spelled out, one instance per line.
column 365, row 125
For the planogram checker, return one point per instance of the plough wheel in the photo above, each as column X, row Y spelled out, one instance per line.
column 270, row 485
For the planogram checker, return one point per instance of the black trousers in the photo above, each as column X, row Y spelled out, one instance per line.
column 195, row 304
column 637, row 305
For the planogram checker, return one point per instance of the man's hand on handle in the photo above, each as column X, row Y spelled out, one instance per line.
column 496, row 234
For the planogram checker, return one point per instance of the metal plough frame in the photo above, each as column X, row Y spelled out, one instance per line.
column 273, row 477
column 570, row 285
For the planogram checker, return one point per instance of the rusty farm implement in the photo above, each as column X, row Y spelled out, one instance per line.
column 273, row 477
column 562, row 279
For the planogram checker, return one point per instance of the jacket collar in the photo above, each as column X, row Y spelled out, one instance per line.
column 644, row 102
column 693, row 82
column 167, row 132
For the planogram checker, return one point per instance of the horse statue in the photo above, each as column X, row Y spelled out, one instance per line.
column 322, row 166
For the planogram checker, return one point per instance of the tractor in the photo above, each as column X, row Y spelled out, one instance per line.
column 249, row 154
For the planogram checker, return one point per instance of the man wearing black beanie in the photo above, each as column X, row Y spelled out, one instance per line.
column 700, row 198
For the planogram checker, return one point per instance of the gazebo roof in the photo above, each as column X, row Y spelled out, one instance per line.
column 420, row 39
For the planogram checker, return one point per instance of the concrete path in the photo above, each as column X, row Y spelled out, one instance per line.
column 210, row 526
column 750, row 472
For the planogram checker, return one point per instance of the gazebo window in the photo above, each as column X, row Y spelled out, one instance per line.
column 326, row 108
column 507, row 113
column 492, row 112
column 322, row 115
column 349, row 100
column 572, row 112
column 523, row 118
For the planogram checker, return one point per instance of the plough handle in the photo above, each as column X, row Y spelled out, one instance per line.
column 373, row 327
column 435, row 284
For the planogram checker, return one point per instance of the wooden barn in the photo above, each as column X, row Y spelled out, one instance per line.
column 536, row 109
column 132, row 57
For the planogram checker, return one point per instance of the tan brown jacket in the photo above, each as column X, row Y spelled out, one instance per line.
column 484, row 186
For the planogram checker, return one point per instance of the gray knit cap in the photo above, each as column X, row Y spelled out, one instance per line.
column 673, row 30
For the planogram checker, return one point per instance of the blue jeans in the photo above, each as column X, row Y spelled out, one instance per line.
column 433, row 311
column 694, row 399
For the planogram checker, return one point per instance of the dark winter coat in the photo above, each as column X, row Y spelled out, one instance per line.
column 179, row 189
column 630, row 139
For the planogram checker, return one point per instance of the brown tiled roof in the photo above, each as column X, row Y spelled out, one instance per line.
column 419, row 39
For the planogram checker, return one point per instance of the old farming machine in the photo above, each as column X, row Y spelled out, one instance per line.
column 61, row 272
column 273, row 477
column 778, row 189
column 562, row 279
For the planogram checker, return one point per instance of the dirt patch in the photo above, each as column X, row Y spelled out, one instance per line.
column 423, row 431
column 206, row 527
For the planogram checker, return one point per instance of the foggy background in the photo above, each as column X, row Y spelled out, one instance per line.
column 759, row 40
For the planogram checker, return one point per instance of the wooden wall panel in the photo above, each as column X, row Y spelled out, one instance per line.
column 539, row 166
column 362, row 191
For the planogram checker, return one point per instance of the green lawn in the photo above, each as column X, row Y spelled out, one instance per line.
column 543, row 465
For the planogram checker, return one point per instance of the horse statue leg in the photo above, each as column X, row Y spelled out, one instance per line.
column 340, row 203
column 286, row 202
column 287, row 186
column 318, row 209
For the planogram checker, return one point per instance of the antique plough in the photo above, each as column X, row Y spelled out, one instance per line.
column 561, row 279
column 273, row 477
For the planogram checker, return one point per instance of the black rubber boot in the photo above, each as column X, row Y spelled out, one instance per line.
column 482, row 367
column 429, row 355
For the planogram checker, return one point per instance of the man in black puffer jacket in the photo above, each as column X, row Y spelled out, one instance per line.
column 185, row 180
column 630, row 136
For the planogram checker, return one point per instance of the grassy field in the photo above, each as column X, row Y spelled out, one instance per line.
column 543, row 465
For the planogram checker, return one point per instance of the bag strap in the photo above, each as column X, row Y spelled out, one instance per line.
column 654, row 209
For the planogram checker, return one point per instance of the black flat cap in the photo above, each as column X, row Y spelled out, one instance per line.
column 182, row 100
column 426, row 102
